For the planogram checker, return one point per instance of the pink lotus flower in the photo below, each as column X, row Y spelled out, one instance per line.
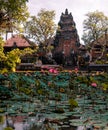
column 54, row 71
column 76, row 70
column 94, row 85
column 51, row 70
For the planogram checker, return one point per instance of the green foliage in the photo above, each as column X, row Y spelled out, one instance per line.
column 12, row 14
column 22, row 84
column 1, row 44
column 71, row 81
column 92, row 79
column 1, row 111
column 8, row 128
column 27, row 51
column 27, row 91
column 2, row 55
column 1, row 118
column 82, row 79
column 73, row 104
column 41, row 28
column 40, row 91
column 94, row 26
column 13, row 58
column 5, row 93
column 37, row 83
column 3, row 70
column 105, row 86
column 99, row 62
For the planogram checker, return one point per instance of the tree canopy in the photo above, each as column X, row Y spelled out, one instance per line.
column 41, row 28
column 12, row 14
column 95, row 26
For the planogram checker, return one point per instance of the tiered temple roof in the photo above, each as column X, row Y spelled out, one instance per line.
column 66, row 40
column 67, row 29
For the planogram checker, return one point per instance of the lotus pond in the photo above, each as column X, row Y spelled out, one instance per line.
column 67, row 100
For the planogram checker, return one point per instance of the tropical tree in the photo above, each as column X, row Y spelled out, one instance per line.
column 2, row 55
column 41, row 28
column 95, row 26
column 12, row 14
column 11, row 59
column 1, row 44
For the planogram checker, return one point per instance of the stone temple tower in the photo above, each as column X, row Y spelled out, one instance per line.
column 66, row 41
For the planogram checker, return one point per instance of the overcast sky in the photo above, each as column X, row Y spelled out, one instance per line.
column 78, row 8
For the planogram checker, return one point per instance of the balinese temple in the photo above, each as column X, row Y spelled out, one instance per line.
column 66, row 40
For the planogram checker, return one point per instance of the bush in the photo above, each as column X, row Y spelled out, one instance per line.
column 8, row 128
column 1, row 119
column 73, row 104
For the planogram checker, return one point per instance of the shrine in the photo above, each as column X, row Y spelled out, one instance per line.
column 66, row 41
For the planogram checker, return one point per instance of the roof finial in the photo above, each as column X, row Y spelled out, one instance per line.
column 66, row 11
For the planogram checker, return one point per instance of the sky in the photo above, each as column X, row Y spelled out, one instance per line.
column 78, row 8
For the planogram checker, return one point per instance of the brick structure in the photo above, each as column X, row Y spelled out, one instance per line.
column 66, row 41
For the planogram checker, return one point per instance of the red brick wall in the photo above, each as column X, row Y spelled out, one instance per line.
column 66, row 46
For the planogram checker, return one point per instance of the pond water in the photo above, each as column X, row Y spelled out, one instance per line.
column 32, row 111
column 90, row 112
